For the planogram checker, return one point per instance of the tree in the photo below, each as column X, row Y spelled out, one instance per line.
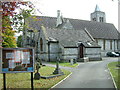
column 8, row 13
column 18, row 20
column 25, row 14
column 8, row 33
column 10, row 7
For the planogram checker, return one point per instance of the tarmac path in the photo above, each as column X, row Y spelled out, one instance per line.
column 92, row 74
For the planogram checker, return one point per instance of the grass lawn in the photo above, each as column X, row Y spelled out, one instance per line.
column 22, row 80
column 115, row 72
column 65, row 64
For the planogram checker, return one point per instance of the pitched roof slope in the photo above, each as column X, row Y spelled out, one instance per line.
column 90, row 45
column 68, row 38
column 96, row 29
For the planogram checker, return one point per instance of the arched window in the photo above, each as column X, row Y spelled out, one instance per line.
column 101, row 19
column 94, row 19
column 41, row 44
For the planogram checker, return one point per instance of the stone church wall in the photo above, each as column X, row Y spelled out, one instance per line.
column 44, row 53
column 119, row 45
column 106, row 46
column 70, row 53
column 114, row 45
column 54, row 51
column 93, row 53
column 100, row 42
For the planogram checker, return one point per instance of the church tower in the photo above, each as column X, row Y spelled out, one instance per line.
column 98, row 15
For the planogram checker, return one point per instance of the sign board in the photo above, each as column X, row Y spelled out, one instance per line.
column 17, row 60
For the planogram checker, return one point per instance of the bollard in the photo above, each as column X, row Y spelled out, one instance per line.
column 71, row 61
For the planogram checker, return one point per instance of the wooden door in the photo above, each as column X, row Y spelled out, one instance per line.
column 81, row 52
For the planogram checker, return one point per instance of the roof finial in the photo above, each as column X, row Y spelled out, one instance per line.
column 97, row 8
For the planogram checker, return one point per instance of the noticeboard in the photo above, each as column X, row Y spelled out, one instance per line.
column 17, row 60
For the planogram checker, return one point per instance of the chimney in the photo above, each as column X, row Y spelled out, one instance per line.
column 58, row 13
column 59, row 18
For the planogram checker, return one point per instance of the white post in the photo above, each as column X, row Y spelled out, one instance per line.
column 71, row 61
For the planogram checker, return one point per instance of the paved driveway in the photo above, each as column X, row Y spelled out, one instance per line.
column 89, row 75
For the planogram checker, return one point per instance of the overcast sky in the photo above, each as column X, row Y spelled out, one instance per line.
column 78, row 9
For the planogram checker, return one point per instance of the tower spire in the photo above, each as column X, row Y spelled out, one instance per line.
column 97, row 8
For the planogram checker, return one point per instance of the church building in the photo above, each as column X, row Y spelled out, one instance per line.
column 67, row 38
column 106, row 35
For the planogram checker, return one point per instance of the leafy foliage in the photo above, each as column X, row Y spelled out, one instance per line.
column 8, row 13
column 19, row 41
column 8, row 33
column 19, row 19
column 9, row 7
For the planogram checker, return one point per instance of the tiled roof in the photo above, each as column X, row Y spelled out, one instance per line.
column 68, row 38
column 96, row 29
column 90, row 45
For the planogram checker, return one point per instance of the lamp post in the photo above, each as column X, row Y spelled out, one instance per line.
column 38, row 55
column 38, row 48
column 34, row 43
column 37, row 74
column 30, row 40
